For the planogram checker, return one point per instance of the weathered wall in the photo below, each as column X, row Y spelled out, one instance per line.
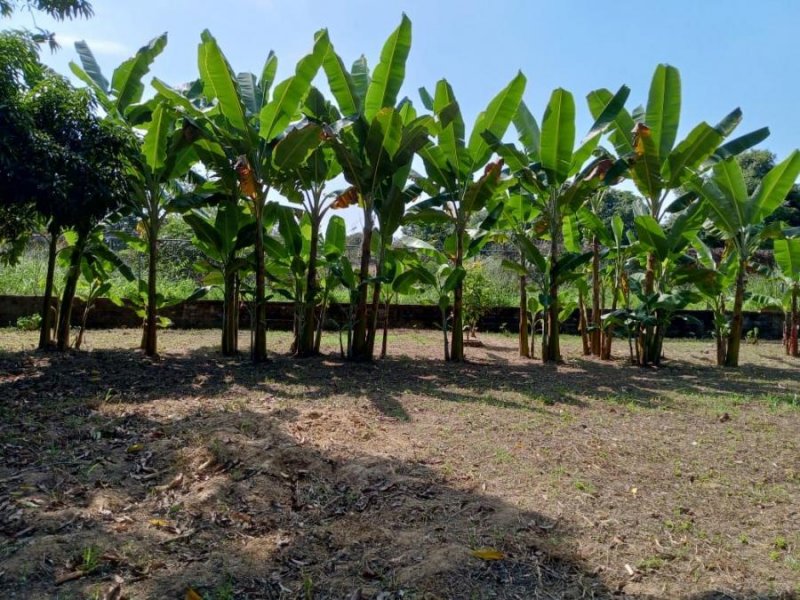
column 204, row 314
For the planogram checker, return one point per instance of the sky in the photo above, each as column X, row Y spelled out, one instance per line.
column 730, row 52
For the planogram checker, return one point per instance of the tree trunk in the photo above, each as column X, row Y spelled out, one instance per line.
column 533, row 335
column 795, row 324
column 583, row 325
column 151, row 324
column 376, row 303
column 305, row 346
column 229, row 316
column 597, row 341
column 647, row 351
column 84, row 318
column 259, row 349
column 551, row 351
column 608, row 333
column 321, row 324
column 735, row 337
column 47, row 302
column 359, row 349
column 444, row 331
column 457, row 334
column 70, row 285
column 524, row 349
column 385, row 342
column 722, row 347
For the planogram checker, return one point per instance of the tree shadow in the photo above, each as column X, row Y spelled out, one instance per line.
column 256, row 504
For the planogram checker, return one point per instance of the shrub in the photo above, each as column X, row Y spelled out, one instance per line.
column 31, row 323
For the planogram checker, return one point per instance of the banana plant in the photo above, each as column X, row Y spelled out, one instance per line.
column 456, row 193
column 559, row 178
column 96, row 264
column 716, row 288
column 593, row 225
column 659, row 167
column 739, row 217
column 223, row 237
column 375, row 144
column 609, row 244
column 289, row 262
column 787, row 257
column 305, row 184
column 664, row 248
column 256, row 129
column 136, row 298
column 515, row 226
column 398, row 261
column 438, row 273
column 334, row 251
column 164, row 153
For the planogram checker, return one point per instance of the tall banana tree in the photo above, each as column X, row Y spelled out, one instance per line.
column 247, row 125
column 375, row 144
column 164, row 154
column 516, row 225
column 456, row 193
column 559, row 178
column 222, row 237
column 787, row 257
column 659, row 167
column 609, row 243
column 306, row 184
column 740, row 216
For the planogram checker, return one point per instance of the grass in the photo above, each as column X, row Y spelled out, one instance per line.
column 324, row 477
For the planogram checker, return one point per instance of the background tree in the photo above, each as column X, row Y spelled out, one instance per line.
column 624, row 203
column 88, row 161
column 57, row 9
column 305, row 184
column 20, row 69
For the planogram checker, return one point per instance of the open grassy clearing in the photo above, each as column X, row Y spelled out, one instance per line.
column 324, row 479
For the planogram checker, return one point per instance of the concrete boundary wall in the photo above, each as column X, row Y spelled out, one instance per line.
column 207, row 314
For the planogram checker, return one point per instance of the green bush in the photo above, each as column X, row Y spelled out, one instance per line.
column 31, row 323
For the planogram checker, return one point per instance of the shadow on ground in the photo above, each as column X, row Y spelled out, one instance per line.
column 238, row 503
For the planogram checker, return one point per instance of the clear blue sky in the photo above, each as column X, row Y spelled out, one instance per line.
column 730, row 52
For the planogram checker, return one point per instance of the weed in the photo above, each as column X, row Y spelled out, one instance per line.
column 503, row 456
column 90, row 559
column 652, row 563
column 585, row 487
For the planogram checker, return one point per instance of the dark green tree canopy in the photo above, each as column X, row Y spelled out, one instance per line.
column 60, row 163
column 619, row 202
column 78, row 168
column 58, row 9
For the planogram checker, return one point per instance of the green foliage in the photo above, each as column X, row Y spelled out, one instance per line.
column 29, row 323
column 188, row 177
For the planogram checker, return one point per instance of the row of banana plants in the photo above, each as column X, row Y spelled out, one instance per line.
column 228, row 151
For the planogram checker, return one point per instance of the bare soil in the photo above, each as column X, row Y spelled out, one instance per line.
column 197, row 476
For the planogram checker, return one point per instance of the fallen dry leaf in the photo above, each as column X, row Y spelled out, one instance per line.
column 192, row 595
column 488, row 554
